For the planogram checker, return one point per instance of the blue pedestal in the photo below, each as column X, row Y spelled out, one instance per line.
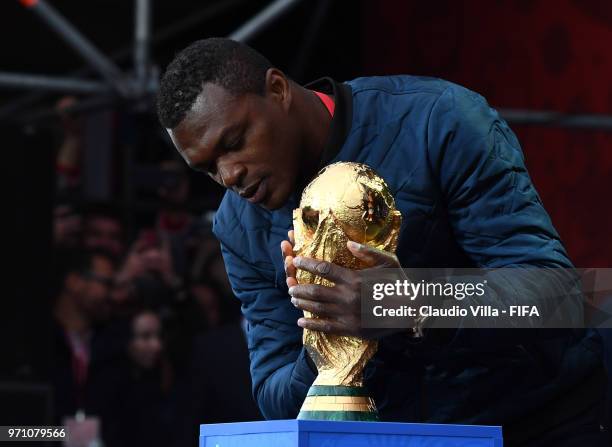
column 303, row 433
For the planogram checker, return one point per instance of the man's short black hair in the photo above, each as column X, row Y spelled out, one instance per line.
column 227, row 63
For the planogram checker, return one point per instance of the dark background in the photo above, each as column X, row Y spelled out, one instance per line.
column 538, row 55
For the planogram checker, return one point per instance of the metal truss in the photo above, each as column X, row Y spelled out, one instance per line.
column 135, row 88
column 138, row 87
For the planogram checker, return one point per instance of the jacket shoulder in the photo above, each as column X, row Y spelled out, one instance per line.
column 406, row 89
column 236, row 216
column 399, row 84
column 227, row 217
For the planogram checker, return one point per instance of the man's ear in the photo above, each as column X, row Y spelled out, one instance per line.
column 278, row 87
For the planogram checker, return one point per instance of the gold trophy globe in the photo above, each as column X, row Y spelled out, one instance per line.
column 346, row 201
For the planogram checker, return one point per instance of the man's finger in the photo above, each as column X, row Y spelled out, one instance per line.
column 291, row 235
column 321, row 325
column 286, row 248
column 314, row 292
column 287, row 252
column 323, row 269
column 316, row 307
column 290, row 270
column 373, row 256
column 289, row 267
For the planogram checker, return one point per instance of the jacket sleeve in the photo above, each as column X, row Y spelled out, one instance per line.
column 280, row 369
column 495, row 212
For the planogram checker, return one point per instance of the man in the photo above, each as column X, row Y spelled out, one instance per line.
column 458, row 177
column 103, row 230
column 135, row 394
column 82, row 306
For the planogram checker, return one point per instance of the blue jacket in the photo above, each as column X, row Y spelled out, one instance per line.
column 458, row 176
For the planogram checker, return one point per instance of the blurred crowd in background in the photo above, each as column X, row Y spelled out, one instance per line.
column 147, row 335
column 120, row 322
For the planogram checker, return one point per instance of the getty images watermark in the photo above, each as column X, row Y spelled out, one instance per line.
column 487, row 298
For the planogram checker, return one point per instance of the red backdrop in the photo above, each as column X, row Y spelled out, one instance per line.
column 547, row 54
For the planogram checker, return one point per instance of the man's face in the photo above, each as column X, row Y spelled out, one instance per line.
column 247, row 143
column 102, row 232
column 92, row 290
column 146, row 345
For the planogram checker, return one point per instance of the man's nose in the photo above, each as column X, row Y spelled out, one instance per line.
column 231, row 174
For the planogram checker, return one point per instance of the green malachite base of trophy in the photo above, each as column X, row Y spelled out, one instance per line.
column 338, row 403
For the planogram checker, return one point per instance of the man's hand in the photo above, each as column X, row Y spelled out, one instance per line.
column 338, row 308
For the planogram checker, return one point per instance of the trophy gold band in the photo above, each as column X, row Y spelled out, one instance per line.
column 346, row 201
column 338, row 403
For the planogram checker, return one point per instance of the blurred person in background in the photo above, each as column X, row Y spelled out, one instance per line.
column 68, row 157
column 67, row 226
column 208, row 306
column 220, row 376
column 174, row 190
column 174, row 222
column 156, row 261
column 146, row 345
column 79, row 313
column 91, row 226
column 207, row 265
column 208, row 301
column 103, row 229
column 148, row 271
column 147, row 275
column 136, row 395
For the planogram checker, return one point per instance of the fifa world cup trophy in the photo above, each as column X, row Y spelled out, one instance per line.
column 346, row 201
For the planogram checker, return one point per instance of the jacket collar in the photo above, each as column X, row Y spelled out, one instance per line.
column 339, row 127
column 341, row 121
